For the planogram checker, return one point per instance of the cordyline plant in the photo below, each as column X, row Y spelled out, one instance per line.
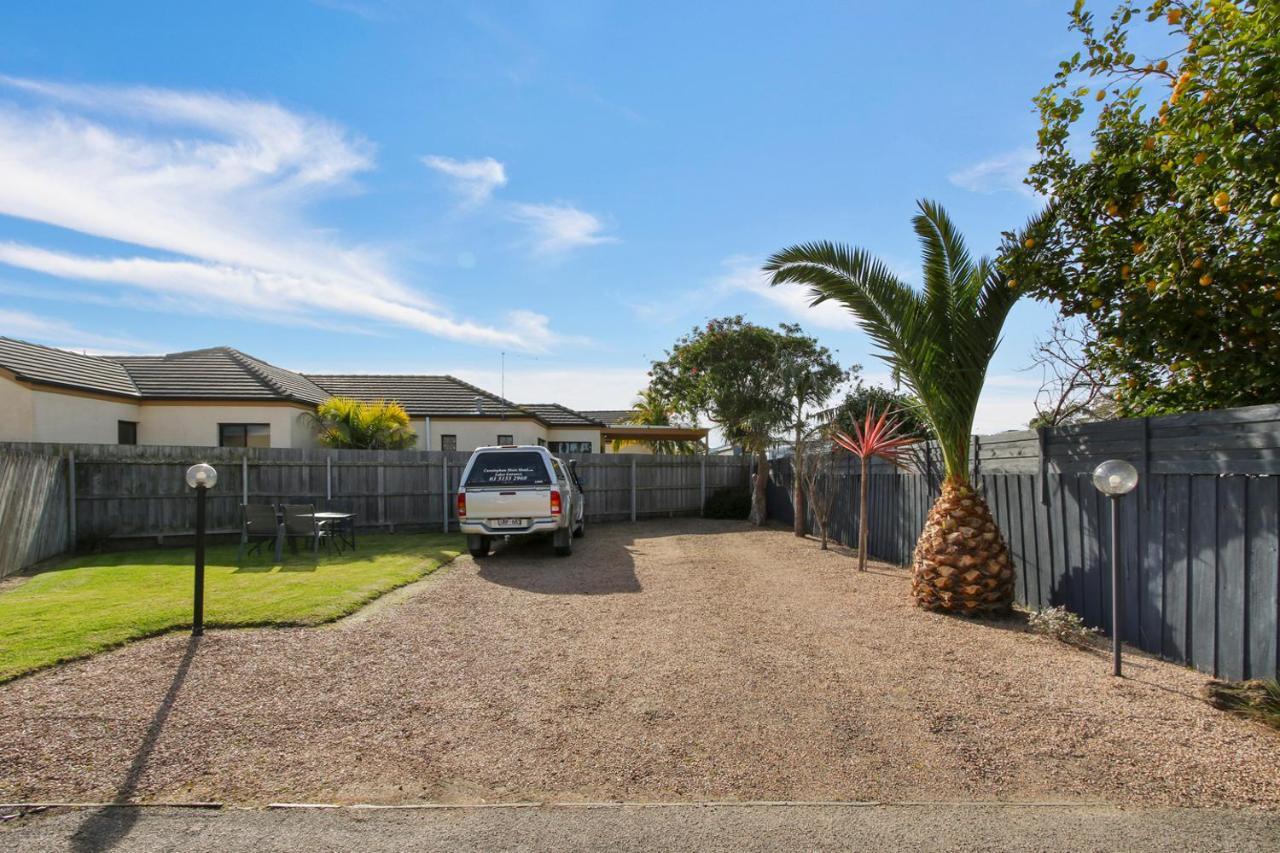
column 879, row 434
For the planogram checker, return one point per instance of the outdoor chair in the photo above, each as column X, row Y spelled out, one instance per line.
column 258, row 526
column 300, row 522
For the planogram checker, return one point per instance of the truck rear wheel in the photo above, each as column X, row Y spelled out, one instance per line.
column 563, row 540
column 478, row 545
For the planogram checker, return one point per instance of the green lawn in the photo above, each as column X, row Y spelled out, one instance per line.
column 93, row 603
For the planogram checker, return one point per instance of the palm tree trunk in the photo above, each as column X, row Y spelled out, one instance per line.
column 862, row 517
column 759, row 490
column 797, row 497
column 961, row 563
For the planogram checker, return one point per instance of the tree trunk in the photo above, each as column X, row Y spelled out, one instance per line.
column 797, row 494
column 961, row 562
column 758, row 491
column 862, row 518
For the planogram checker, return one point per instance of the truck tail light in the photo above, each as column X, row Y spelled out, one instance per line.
column 462, row 504
column 555, row 503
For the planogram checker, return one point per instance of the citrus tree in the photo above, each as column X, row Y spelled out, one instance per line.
column 1166, row 235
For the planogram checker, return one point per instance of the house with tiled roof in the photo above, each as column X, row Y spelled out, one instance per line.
column 221, row 396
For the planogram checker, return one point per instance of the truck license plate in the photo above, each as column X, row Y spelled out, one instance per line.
column 509, row 522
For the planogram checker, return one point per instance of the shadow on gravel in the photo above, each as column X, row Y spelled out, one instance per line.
column 599, row 566
column 106, row 827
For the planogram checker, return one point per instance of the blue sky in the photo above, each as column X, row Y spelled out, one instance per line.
column 366, row 186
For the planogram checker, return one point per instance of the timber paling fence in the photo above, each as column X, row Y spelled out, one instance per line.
column 139, row 494
column 1198, row 537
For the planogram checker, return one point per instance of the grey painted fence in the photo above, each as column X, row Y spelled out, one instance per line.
column 1200, row 537
column 139, row 493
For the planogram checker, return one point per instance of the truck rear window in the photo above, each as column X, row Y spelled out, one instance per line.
column 509, row 469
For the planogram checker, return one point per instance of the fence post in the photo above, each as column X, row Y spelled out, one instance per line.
column 444, row 493
column 328, row 478
column 244, row 478
column 1042, row 434
column 71, row 500
column 382, row 495
column 702, row 489
column 633, row 487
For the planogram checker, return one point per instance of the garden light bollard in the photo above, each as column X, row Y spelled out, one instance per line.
column 202, row 478
column 1115, row 478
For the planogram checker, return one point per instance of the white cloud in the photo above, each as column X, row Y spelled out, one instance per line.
column 744, row 275
column 59, row 333
column 221, row 183
column 559, row 227
column 474, row 180
column 1001, row 173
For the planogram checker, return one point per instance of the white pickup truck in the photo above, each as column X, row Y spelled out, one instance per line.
column 519, row 490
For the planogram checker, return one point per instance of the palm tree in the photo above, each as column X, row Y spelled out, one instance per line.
column 346, row 423
column 652, row 409
column 940, row 342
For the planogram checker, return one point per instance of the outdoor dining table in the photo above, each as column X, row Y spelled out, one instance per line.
column 343, row 524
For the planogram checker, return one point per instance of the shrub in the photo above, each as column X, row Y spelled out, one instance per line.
column 1060, row 623
column 728, row 503
column 1258, row 700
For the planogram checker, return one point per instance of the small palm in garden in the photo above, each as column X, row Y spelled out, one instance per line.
column 940, row 342
column 879, row 435
column 354, row 424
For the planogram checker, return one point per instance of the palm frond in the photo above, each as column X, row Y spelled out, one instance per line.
column 940, row 342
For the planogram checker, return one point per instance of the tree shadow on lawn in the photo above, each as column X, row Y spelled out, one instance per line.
column 601, row 567
column 107, row 826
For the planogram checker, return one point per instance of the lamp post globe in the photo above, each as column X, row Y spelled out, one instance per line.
column 201, row 475
column 1115, row 477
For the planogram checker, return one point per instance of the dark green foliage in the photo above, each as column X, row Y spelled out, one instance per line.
column 728, row 503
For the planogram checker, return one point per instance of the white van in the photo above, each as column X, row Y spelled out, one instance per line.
column 519, row 490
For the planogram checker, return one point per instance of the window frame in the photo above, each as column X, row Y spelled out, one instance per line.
column 120, row 430
column 244, row 433
column 510, row 439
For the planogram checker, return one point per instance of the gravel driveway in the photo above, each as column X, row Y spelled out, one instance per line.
column 673, row 660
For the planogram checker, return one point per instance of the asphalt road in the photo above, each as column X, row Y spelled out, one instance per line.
column 655, row 827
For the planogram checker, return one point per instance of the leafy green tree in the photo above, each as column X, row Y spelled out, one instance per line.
column 731, row 371
column 940, row 342
column 808, row 376
column 1166, row 238
column 862, row 398
column 353, row 424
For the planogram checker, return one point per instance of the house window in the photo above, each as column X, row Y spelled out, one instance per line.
column 506, row 439
column 244, row 435
column 569, row 446
column 542, row 442
column 448, row 442
column 126, row 432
